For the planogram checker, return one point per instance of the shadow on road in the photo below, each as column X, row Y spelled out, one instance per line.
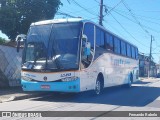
column 136, row 96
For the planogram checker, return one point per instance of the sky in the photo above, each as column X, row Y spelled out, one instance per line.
column 133, row 20
column 3, row 35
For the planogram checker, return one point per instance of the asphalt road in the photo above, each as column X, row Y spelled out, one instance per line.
column 142, row 96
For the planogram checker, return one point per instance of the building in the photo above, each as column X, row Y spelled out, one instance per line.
column 144, row 66
column 158, row 70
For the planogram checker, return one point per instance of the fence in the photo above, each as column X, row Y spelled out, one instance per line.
column 10, row 66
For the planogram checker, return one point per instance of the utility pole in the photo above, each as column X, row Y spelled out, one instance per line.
column 101, row 13
column 150, row 56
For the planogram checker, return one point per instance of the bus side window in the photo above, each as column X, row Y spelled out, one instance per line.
column 128, row 50
column 117, row 45
column 133, row 53
column 108, row 42
column 123, row 48
column 136, row 53
column 89, row 32
column 99, row 38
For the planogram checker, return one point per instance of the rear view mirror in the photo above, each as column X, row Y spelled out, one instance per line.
column 84, row 38
column 20, row 39
column 87, row 50
column 87, row 45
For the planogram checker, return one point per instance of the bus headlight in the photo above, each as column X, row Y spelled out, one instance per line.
column 69, row 79
column 26, row 78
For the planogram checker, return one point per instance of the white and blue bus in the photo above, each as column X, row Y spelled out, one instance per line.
column 74, row 55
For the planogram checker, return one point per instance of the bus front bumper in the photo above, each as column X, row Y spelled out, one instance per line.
column 72, row 86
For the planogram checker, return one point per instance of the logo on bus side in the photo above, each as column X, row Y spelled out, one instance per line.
column 66, row 75
column 45, row 78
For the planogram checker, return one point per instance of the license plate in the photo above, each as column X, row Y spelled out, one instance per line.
column 45, row 86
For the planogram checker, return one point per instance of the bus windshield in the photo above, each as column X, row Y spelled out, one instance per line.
column 52, row 47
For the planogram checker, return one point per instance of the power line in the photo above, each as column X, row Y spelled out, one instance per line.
column 136, row 22
column 106, row 10
column 121, row 24
column 78, row 11
column 132, row 14
column 118, row 21
column 115, row 6
column 76, row 3
column 66, row 14
column 157, row 46
column 113, row 28
column 150, row 21
column 140, row 17
column 126, row 30
column 97, row 1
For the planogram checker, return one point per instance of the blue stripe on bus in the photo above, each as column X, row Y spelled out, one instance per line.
column 72, row 86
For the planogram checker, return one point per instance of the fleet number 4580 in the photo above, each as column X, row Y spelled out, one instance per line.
column 66, row 75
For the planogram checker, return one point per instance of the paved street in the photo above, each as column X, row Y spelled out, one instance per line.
column 143, row 96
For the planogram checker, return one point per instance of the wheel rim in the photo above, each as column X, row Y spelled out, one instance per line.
column 98, row 87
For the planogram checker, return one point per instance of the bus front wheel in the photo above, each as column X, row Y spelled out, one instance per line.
column 99, row 86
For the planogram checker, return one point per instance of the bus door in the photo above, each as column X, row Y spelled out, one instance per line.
column 87, row 54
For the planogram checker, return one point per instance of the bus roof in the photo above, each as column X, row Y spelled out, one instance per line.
column 57, row 21
column 65, row 20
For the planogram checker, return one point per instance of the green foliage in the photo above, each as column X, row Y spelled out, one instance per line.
column 2, row 40
column 17, row 15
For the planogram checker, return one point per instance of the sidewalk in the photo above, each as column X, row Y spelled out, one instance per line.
column 16, row 93
column 151, row 79
column 145, row 81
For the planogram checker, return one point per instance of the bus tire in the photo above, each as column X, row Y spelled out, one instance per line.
column 99, row 84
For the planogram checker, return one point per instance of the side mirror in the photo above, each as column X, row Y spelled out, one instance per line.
column 87, row 50
column 84, row 38
column 87, row 45
column 20, row 39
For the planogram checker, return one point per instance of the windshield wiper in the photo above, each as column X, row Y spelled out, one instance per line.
column 57, row 62
column 35, row 60
column 37, row 55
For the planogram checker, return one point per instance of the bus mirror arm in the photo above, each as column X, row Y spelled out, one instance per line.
column 18, row 46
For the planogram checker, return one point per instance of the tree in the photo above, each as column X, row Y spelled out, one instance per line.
column 2, row 40
column 17, row 15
